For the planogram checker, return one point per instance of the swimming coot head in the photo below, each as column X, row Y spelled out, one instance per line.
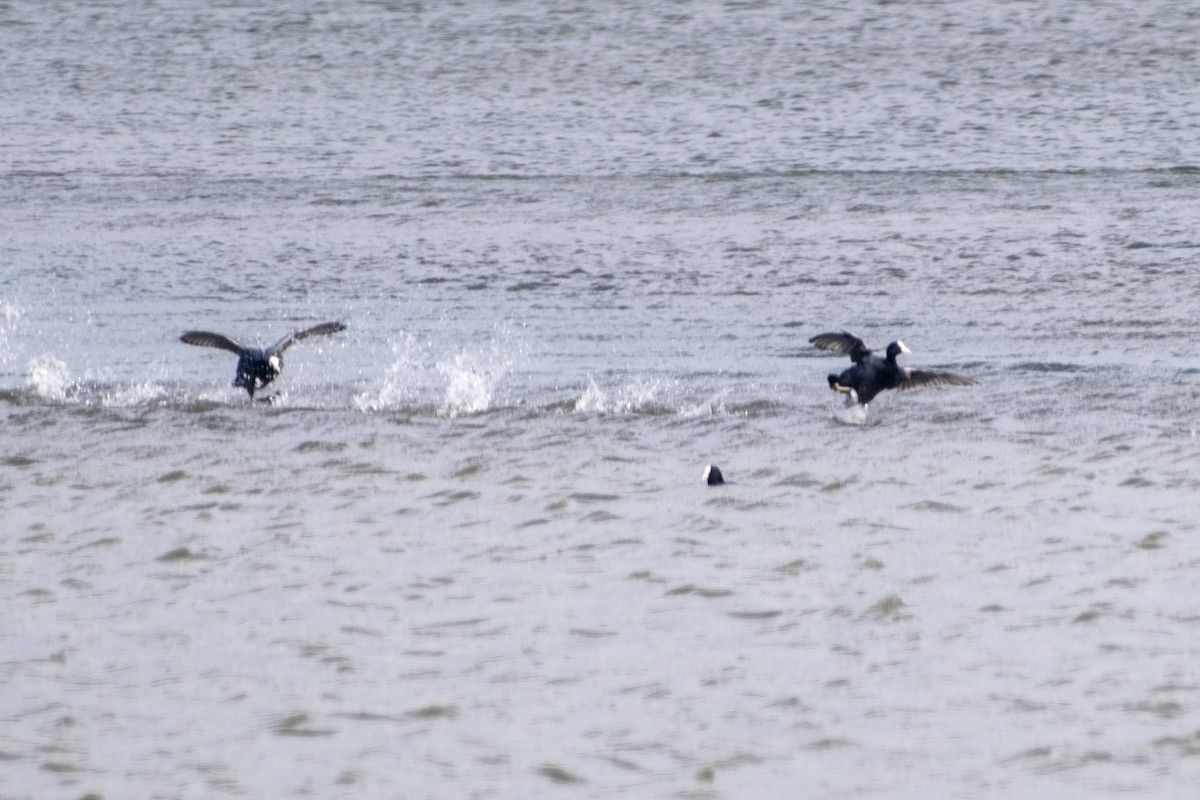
column 712, row 475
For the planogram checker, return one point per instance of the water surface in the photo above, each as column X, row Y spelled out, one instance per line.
column 467, row 552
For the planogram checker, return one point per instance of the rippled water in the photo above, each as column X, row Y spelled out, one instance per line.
column 580, row 250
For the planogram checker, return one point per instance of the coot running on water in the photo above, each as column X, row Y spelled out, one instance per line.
column 872, row 374
column 257, row 367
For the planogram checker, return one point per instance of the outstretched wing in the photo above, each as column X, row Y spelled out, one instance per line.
column 844, row 343
column 206, row 339
column 324, row 329
column 916, row 378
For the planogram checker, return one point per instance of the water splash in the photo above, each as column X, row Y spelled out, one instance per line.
column 12, row 314
column 471, row 380
column 401, row 380
column 854, row 414
column 49, row 377
column 461, row 384
column 712, row 406
column 638, row 397
column 10, row 320
column 145, row 393
column 592, row 400
column 473, row 375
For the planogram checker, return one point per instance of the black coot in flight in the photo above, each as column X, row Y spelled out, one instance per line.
column 257, row 367
column 872, row 374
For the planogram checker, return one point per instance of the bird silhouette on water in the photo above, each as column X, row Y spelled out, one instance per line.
column 871, row 374
column 257, row 367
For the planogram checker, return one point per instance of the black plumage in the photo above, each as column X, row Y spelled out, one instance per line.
column 256, row 366
column 871, row 374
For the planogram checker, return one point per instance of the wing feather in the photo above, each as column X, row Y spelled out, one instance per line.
column 844, row 343
column 206, row 339
column 916, row 378
column 324, row 329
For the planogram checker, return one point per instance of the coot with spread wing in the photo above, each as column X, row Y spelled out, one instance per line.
column 256, row 366
column 871, row 374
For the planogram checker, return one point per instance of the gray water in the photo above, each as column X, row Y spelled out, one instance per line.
column 467, row 551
